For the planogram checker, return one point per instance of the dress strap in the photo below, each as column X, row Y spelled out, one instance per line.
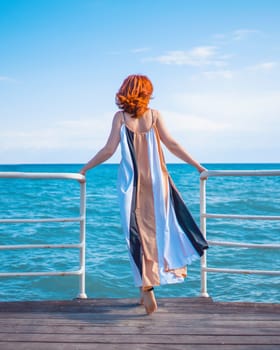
column 154, row 117
column 123, row 117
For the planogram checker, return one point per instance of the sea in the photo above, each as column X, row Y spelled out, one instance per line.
column 108, row 273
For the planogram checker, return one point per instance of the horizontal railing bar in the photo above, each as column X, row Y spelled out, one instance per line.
column 212, row 173
column 40, row 246
column 14, row 221
column 51, row 273
column 30, row 175
column 242, row 217
column 81, row 219
column 245, row 272
column 244, row 245
column 203, row 216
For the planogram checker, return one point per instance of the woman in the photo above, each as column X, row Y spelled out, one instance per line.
column 161, row 235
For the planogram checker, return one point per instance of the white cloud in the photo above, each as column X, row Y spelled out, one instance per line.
column 203, row 52
column 186, row 122
column 197, row 56
column 63, row 135
column 241, row 72
column 5, row 78
column 242, row 34
column 229, row 127
column 265, row 66
column 140, row 50
column 114, row 53
column 242, row 110
column 224, row 74
column 137, row 50
column 219, row 36
column 236, row 35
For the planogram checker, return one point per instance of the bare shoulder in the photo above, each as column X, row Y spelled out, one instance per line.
column 158, row 119
column 118, row 118
column 156, row 115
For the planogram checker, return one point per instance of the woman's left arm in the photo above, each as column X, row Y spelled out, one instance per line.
column 174, row 147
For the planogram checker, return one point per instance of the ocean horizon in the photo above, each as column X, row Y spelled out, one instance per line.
column 107, row 267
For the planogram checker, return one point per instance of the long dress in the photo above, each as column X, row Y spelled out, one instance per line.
column 161, row 235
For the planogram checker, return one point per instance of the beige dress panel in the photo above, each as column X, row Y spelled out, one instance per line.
column 145, row 213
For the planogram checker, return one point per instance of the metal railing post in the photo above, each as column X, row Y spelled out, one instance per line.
column 82, row 280
column 203, row 261
column 81, row 219
column 204, row 215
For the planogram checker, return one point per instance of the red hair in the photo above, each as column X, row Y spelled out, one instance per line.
column 134, row 95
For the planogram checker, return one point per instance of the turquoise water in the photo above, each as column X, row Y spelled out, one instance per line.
column 107, row 267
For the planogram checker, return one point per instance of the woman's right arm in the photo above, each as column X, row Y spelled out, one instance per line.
column 110, row 147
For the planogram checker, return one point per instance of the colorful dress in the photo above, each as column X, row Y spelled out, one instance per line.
column 161, row 235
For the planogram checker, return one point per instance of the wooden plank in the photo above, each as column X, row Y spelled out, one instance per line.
column 204, row 329
column 123, row 318
column 90, row 346
column 183, row 323
column 146, row 322
column 139, row 339
column 181, row 305
column 134, row 313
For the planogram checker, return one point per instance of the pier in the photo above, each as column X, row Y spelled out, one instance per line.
column 179, row 323
column 104, row 324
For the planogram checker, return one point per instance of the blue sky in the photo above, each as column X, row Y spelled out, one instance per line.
column 215, row 66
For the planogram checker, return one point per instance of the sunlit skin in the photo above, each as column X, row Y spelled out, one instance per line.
column 139, row 124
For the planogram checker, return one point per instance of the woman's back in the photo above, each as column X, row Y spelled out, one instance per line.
column 141, row 124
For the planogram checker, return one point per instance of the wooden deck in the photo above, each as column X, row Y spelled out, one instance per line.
column 184, row 323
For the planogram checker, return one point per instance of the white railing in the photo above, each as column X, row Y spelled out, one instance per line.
column 204, row 215
column 81, row 219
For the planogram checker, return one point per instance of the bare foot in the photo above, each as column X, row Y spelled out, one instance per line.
column 149, row 301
